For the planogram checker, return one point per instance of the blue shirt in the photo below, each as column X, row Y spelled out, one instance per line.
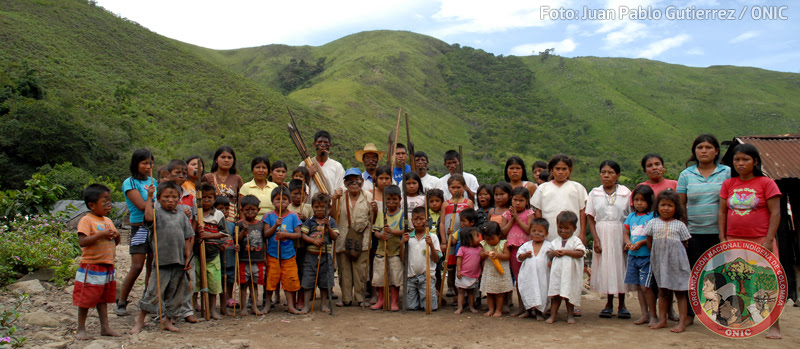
column 702, row 197
column 397, row 173
column 290, row 222
column 635, row 223
column 137, row 215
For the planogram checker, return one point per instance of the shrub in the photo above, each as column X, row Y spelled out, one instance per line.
column 38, row 197
column 75, row 180
column 36, row 242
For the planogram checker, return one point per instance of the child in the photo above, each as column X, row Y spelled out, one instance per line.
column 537, row 168
column 214, row 232
column 298, row 206
column 534, row 273
column 277, row 173
column 450, row 224
column 502, row 201
column 163, row 174
column 178, row 173
column 390, row 236
column 468, row 267
column 251, row 247
column 422, row 244
column 319, row 232
column 485, row 202
column 414, row 192
column 280, row 231
column 174, row 248
column 516, row 228
column 566, row 270
column 222, row 204
column 667, row 238
column 98, row 240
column 435, row 199
column 606, row 209
column 383, row 178
column 638, row 273
column 195, row 169
column 301, row 174
column 494, row 283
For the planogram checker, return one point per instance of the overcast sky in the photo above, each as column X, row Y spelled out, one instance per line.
column 760, row 34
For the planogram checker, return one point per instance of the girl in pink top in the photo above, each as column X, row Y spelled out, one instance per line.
column 516, row 222
column 468, row 267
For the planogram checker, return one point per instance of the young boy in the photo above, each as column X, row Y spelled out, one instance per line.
column 419, row 243
column 435, row 199
column 301, row 209
column 95, row 283
column 390, row 237
column 177, row 171
column 566, row 270
column 251, row 251
column 214, row 231
column 319, row 232
column 222, row 204
column 174, row 248
column 281, row 259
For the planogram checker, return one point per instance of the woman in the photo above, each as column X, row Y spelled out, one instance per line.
column 515, row 175
column 224, row 178
column 749, row 206
column 260, row 186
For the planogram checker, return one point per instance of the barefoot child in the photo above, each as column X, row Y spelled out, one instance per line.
column 485, row 202
column 214, row 232
column 419, row 243
column 280, row 231
column 303, row 210
column 502, row 201
column 638, row 273
column 667, row 239
column 319, row 232
column 251, row 239
column 95, row 285
column 390, row 236
column 566, row 271
column 435, row 199
column 450, row 224
column 228, row 256
column 516, row 229
column 468, row 267
column 494, row 283
column 174, row 249
column 534, row 273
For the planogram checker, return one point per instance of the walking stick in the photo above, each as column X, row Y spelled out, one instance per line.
column 316, row 277
column 386, row 299
column 203, row 266
column 428, row 301
column 404, row 225
column 370, row 264
column 250, row 264
column 447, row 252
column 236, row 263
column 155, row 250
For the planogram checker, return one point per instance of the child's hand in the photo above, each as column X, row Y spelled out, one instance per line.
column 512, row 212
column 318, row 242
column 279, row 222
column 301, row 216
column 626, row 247
column 444, row 247
column 559, row 253
column 458, row 275
column 188, row 212
column 493, row 254
column 323, row 221
column 386, row 229
column 636, row 246
column 373, row 206
column 205, row 235
column 528, row 254
column 597, row 247
column 236, row 247
column 429, row 241
column 483, row 254
column 406, row 237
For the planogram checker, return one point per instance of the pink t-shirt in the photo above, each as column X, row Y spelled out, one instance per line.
column 748, row 215
column 657, row 188
column 517, row 236
column 470, row 261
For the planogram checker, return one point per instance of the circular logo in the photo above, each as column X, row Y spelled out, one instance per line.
column 738, row 289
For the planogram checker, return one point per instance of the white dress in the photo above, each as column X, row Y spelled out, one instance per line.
column 609, row 212
column 552, row 199
column 534, row 276
column 566, row 273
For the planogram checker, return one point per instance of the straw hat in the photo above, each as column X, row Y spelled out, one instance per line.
column 368, row 148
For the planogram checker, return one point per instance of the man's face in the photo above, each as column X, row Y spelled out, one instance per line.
column 422, row 163
column 400, row 155
column 451, row 165
column 370, row 161
column 323, row 145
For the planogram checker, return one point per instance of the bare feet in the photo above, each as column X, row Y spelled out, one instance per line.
column 660, row 324
column 680, row 327
column 216, row 315
column 303, row 311
column 774, row 333
column 191, row 319
column 551, row 319
column 136, row 328
column 498, row 313
column 170, row 326
column 108, row 332
column 325, row 309
column 672, row 316
column 473, row 310
column 539, row 316
column 570, row 319
column 243, row 312
column 524, row 314
column 519, row 312
column 642, row 320
column 489, row 313
column 82, row 335
column 458, row 311
column 292, row 310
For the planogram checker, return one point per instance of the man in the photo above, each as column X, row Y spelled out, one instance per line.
column 333, row 170
column 370, row 157
column 421, row 161
column 400, row 165
column 452, row 164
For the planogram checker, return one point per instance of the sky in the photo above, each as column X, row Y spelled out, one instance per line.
column 700, row 33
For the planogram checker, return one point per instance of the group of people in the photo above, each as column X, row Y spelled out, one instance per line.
column 397, row 235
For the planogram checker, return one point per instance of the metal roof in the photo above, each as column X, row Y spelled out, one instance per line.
column 780, row 154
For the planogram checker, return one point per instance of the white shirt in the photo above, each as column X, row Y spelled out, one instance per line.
column 552, row 199
column 417, row 252
column 333, row 171
column 472, row 184
column 430, row 182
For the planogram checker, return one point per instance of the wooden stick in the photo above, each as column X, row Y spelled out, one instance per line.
column 203, row 265
column 428, row 301
column 386, row 286
column 155, row 250
column 447, row 253
column 460, row 161
column 404, row 226
column 410, row 146
column 252, row 282
column 236, row 263
column 316, row 277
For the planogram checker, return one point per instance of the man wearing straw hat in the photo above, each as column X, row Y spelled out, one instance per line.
column 370, row 156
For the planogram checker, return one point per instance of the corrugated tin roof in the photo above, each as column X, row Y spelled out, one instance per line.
column 780, row 154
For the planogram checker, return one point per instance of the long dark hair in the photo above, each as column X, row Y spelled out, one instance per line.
column 415, row 176
column 706, row 137
column 220, row 150
column 138, row 156
column 515, row 160
column 555, row 160
column 751, row 151
column 261, row 159
column 202, row 164
column 647, row 194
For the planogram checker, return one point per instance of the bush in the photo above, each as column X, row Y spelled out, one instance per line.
column 75, row 180
column 38, row 197
column 36, row 242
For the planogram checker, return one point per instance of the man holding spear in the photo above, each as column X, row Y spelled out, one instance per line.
column 332, row 169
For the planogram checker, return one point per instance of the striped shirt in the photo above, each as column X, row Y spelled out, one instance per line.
column 702, row 197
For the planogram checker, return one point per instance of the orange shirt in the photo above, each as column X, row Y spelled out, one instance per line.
column 103, row 251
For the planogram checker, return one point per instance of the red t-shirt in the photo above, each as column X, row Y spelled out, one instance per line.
column 657, row 188
column 748, row 215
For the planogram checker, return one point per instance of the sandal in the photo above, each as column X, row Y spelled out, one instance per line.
column 607, row 313
column 623, row 314
column 576, row 313
column 232, row 303
column 120, row 308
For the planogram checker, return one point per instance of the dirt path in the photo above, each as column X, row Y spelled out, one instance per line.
column 362, row 328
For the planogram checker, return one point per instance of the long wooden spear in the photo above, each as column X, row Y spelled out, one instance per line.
column 203, row 266
column 404, row 225
column 297, row 139
column 410, row 148
column 428, row 302
column 236, row 261
column 155, row 250
column 250, row 265
column 386, row 286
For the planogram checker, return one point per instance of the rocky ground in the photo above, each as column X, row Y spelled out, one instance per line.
column 49, row 321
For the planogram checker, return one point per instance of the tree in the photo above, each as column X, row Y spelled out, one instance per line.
column 740, row 271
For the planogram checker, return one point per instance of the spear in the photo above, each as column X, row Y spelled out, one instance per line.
column 236, row 261
column 386, row 299
column 460, row 161
column 316, row 277
column 447, row 252
column 203, row 270
column 155, row 250
column 250, row 264
column 428, row 302
column 404, row 224
column 297, row 139
column 410, row 147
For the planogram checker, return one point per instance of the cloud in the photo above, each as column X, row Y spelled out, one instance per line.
column 696, row 52
column 630, row 32
column 480, row 16
column 659, row 47
column 744, row 37
column 564, row 46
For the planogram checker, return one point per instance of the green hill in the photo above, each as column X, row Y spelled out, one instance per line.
column 82, row 85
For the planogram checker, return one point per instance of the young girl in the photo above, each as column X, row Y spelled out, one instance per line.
column 485, row 202
column 537, row 168
column 278, row 172
column 667, row 238
column 560, row 194
column 414, row 191
column 435, row 199
column 515, row 228
column 502, row 200
column 606, row 209
column 534, row 273
column 493, row 283
column 638, row 272
column 450, row 222
column 516, row 175
column 653, row 167
column 195, row 169
column 566, row 271
column 301, row 174
column 468, row 268
column 224, row 178
column 383, row 179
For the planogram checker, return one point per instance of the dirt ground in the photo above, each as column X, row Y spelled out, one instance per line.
column 354, row 327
